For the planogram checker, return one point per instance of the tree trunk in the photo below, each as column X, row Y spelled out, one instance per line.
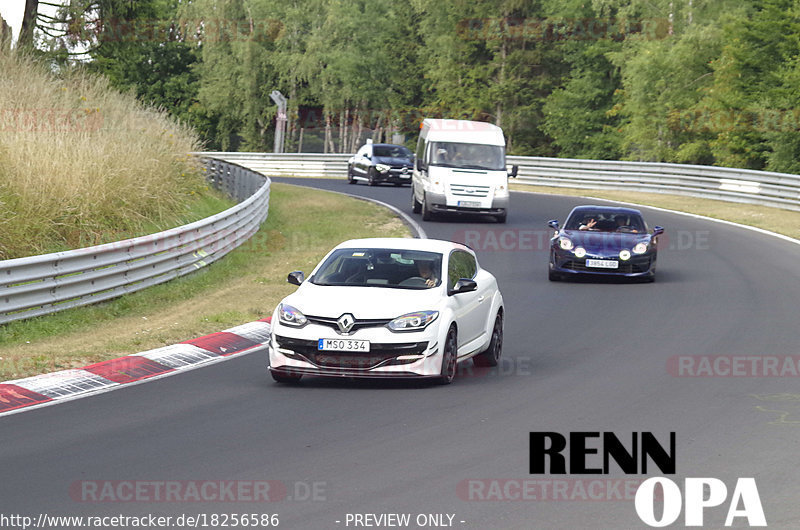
column 499, row 107
column 5, row 35
column 294, row 119
column 347, row 131
column 357, row 135
column 28, row 24
column 376, row 133
column 327, row 139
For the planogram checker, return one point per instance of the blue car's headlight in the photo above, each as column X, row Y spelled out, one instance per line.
column 291, row 316
column 413, row 321
column 383, row 168
column 565, row 243
column 640, row 248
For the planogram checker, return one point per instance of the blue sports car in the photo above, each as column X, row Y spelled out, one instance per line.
column 603, row 240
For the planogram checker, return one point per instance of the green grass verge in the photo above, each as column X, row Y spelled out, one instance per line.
column 246, row 285
column 784, row 222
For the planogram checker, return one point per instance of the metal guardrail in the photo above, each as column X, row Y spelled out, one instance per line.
column 39, row 285
column 779, row 190
column 289, row 164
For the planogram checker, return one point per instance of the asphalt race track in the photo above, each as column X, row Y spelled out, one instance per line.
column 578, row 356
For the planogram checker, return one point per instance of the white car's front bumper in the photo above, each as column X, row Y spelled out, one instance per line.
column 409, row 354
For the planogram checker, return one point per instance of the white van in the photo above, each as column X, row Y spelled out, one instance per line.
column 460, row 167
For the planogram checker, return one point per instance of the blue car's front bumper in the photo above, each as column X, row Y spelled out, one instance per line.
column 565, row 263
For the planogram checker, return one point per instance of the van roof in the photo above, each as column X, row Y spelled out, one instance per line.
column 465, row 131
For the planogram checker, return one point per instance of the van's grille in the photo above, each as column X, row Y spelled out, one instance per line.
column 465, row 190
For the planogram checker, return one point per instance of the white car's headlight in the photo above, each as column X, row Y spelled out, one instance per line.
column 291, row 316
column 565, row 243
column 383, row 168
column 413, row 321
column 640, row 248
column 580, row 252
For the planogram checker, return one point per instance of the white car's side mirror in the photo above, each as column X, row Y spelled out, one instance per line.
column 463, row 286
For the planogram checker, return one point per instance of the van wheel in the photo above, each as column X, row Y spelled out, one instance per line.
column 427, row 215
column 416, row 207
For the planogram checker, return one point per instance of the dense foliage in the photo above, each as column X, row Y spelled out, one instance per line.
column 692, row 81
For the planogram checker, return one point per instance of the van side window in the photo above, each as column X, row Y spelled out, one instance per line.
column 461, row 265
column 420, row 158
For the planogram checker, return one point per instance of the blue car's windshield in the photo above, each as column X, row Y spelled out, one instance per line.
column 605, row 221
column 371, row 267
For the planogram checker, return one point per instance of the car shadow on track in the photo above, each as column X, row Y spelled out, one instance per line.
column 467, row 374
column 463, row 219
column 670, row 276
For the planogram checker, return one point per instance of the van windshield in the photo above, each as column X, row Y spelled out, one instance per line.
column 467, row 156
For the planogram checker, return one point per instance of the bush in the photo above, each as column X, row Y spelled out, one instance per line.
column 82, row 164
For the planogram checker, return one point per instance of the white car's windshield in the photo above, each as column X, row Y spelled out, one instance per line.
column 371, row 267
column 468, row 156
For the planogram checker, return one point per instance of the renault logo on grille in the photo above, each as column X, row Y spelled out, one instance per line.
column 346, row 322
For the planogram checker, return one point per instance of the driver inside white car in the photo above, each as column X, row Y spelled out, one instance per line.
column 426, row 272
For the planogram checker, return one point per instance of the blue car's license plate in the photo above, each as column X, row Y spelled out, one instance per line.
column 602, row 263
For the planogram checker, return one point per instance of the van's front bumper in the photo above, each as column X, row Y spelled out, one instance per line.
column 439, row 203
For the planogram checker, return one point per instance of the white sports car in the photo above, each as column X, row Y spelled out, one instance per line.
column 388, row 307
